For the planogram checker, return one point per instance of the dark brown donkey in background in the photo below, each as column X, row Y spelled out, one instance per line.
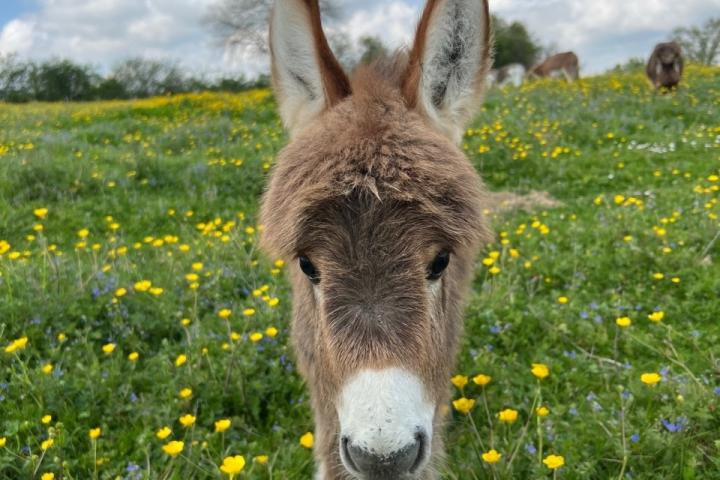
column 665, row 66
column 380, row 214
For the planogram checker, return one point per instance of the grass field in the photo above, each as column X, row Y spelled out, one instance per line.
column 133, row 299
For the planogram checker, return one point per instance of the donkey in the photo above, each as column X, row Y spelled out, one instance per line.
column 566, row 64
column 379, row 216
column 665, row 66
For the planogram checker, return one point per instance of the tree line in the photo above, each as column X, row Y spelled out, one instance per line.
column 64, row 80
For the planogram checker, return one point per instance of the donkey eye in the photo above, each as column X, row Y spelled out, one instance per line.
column 437, row 266
column 309, row 269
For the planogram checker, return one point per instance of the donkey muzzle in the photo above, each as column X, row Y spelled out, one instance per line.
column 395, row 465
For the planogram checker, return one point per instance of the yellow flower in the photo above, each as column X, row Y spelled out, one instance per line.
column 650, row 378
column 83, row 233
column 197, row 266
column 94, row 433
column 185, row 393
column 187, row 420
column 508, row 415
column 3, row 441
column 143, row 285
column 563, row 300
column 540, row 370
column 46, row 419
column 47, row 368
column 271, row 332
column 120, row 292
column 233, row 465
column 459, row 381
column 40, row 212
column 47, row 476
column 307, row 440
column 554, row 461
column 61, row 337
column 224, row 313
column 656, row 316
column 46, row 444
column 108, row 348
column 192, row 277
column 17, row 344
column 273, row 302
column 163, row 433
column 623, row 322
column 180, row 360
column 542, row 411
column 482, row 379
column 173, row 448
column 133, row 356
column 222, row 425
column 249, row 312
column 262, row 459
column 157, row 291
column 256, row 337
column 491, row 457
column 463, row 405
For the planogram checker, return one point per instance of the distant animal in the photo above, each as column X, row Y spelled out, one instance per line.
column 665, row 66
column 512, row 74
column 379, row 216
column 565, row 64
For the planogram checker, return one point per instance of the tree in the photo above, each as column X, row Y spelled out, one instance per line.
column 144, row 78
column 700, row 44
column 58, row 80
column 513, row 44
column 244, row 23
column 372, row 48
column 15, row 79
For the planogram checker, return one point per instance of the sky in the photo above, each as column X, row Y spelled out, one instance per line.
column 103, row 32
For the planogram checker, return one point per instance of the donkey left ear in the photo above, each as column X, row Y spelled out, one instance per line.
column 448, row 63
column 306, row 75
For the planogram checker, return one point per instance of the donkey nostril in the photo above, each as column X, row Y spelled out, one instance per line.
column 406, row 460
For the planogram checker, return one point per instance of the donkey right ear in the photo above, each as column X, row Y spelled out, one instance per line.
column 307, row 77
column 448, row 63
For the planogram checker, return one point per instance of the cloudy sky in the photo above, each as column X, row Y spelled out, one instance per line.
column 102, row 32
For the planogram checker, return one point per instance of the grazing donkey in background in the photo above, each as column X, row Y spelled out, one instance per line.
column 565, row 64
column 379, row 214
column 665, row 66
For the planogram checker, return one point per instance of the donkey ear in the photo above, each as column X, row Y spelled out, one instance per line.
column 306, row 75
column 449, row 62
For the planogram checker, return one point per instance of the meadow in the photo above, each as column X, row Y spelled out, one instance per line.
column 143, row 335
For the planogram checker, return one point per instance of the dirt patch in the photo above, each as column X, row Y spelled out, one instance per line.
column 501, row 202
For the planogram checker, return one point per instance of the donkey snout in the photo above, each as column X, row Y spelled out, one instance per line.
column 371, row 465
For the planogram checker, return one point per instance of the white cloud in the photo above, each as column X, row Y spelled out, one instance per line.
column 16, row 37
column 103, row 32
column 393, row 22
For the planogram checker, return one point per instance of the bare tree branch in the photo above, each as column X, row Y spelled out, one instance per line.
column 244, row 23
column 700, row 44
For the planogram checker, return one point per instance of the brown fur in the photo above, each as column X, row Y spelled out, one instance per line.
column 665, row 65
column 371, row 192
column 567, row 63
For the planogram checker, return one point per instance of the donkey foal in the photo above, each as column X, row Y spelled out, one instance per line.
column 379, row 214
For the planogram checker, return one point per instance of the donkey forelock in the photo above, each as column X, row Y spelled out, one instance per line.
column 380, row 215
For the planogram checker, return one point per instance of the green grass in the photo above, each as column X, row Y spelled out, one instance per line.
column 163, row 184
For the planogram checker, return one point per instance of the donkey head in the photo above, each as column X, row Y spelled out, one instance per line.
column 379, row 215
